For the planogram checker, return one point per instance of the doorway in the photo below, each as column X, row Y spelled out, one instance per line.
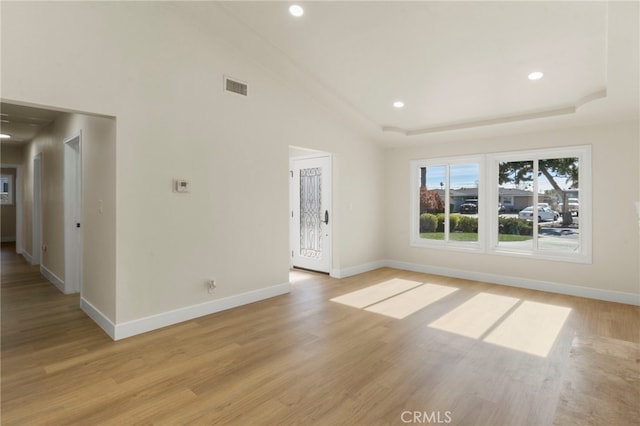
column 311, row 219
column 72, row 214
column 12, row 205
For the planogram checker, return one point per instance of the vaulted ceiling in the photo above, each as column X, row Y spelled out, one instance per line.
column 460, row 68
column 460, row 65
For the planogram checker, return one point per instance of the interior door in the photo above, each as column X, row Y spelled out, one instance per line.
column 311, row 218
column 73, row 215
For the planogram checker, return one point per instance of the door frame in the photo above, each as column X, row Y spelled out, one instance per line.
column 293, row 190
column 36, row 211
column 73, row 214
column 17, row 198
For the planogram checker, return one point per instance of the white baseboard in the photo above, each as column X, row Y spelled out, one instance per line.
column 53, row 278
column 153, row 322
column 98, row 317
column 359, row 269
column 551, row 287
column 27, row 257
column 8, row 239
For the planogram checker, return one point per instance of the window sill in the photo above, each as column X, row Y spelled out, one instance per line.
column 550, row 256
column 448, row 245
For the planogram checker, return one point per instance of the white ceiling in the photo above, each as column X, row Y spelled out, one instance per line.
column 459, row 65
column 23, row 122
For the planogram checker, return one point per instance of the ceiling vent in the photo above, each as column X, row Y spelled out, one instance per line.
column 235, row 86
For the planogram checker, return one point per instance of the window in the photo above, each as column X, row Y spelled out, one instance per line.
column 529, row 203
column 446, row 205
column 549, row 215
column 6, row 189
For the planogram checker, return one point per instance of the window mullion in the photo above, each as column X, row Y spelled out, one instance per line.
column 535, row 204
column 446, row 202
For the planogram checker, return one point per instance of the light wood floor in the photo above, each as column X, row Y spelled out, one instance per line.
column 303, row 359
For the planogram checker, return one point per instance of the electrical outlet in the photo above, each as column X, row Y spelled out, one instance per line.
column 211, row 286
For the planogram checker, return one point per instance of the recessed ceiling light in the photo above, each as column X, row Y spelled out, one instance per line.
column 296, row 10
column 536, row 75
column 3, row 136
column 398, row 104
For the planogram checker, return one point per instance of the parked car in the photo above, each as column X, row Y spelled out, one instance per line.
column 469, row 208
column 544, row 214
column 501, row 208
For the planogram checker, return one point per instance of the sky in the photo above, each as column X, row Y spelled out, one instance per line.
column 462, row 176
column 466, row 176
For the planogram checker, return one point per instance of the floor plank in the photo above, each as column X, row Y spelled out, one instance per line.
column 602, row 383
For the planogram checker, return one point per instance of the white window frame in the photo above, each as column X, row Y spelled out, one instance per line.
column 583, row 153
column 488, row 199
column 10, row 200
column 415, row 240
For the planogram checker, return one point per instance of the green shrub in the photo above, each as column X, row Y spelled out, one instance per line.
column 467, row 224
column 515, row 226
column 428, row 222
column 440, row 227
column 509, row 225
column 454, row 221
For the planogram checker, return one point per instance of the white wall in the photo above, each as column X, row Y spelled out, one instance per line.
column 11, row 153
column 48, row 143
column 615, row 187
column 161, row 75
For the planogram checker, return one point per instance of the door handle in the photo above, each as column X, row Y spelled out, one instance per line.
column 326, row 217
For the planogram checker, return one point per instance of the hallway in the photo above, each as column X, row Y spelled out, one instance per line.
column 35, row 314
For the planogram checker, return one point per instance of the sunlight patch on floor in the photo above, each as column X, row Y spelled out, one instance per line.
column 532, row 328
column 477, row 315
column 376, row 293
column 298, row 276
column 411, row 301
column 509, row 322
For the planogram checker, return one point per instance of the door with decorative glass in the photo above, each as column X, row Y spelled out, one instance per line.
column 311, row 217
